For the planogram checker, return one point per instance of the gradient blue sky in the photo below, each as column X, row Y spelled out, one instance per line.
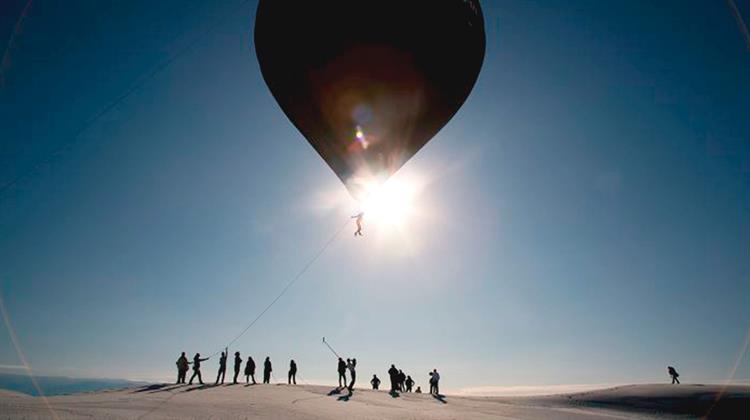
column 585, row 217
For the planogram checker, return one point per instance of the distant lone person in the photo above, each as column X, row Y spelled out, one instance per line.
column 418, row 391
column 237, row 366
column 222, row 367
column 393, row 373
column 267, row 369
column 434, row 380
column 342, row 373
column 375, row 382
column 673, row 373
column 292, row 373
column 182, row 367
column 359, row 223
column 197, row 368
column 250, row 370
column 352, row 365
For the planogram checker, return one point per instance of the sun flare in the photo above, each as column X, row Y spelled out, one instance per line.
column 390, row 204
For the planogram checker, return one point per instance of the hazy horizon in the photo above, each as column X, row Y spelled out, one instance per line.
column 583, row 219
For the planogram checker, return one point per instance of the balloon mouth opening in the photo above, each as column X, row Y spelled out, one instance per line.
column 363, row 186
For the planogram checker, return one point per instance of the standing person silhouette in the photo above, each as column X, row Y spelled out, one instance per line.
column 182, row 367
column 352, row 364
column 292, row 373
column 267, row 369
column 237, row 366
column 375, row 381
column 409, row 383
column 342, row 373
column 393, row 373
column 222, row 367
column 359, row 218
column 250, row 370
column 197, row 368
column 673, row 373
column 434, row 379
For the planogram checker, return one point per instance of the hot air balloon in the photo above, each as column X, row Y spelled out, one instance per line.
column 369, row 83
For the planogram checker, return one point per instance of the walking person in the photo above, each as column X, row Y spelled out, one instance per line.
column 222, row 367
column 197, row 368
column 292, row 373
column 342, row 373
column 673, row 373
column 250, row 370
column 182, row 367
column 267, row 369
column 237, row 366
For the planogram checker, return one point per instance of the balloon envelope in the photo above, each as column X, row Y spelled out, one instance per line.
column 368, row 83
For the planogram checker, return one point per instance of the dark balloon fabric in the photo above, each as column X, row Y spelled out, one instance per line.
column 368, row 83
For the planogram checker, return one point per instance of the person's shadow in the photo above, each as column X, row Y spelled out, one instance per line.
column 335, row 391
column 347, row 396
column 201, row 387
column 440, row 397
column 153, row 387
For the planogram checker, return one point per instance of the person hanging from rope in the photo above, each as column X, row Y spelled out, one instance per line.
column 359, row 218
column 222, row 367
column 197, row 368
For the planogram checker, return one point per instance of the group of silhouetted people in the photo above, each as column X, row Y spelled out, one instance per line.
column 351, row 366
column 399, row 380
column 183, row 365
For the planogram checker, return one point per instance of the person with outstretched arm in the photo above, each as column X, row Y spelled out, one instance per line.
column 197, row 368
column 222, row 367
column 359, row 218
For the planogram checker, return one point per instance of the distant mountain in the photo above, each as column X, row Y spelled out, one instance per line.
column 58, row 385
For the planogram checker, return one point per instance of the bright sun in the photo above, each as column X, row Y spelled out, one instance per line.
column 390, row 204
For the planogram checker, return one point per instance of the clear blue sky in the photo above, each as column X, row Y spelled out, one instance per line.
column 586, row 216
